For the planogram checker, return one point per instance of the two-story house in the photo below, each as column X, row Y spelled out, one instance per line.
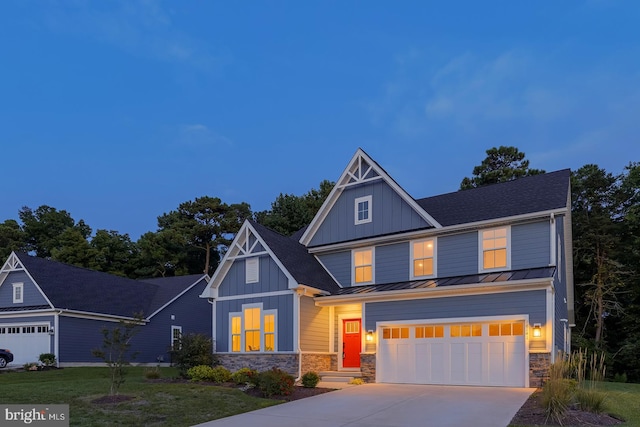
column 473, row 287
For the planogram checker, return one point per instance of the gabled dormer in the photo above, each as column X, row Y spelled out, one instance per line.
column 365, row 202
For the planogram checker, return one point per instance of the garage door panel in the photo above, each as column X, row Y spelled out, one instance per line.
column 438, row 367
column 474, row 363
column 406, row 357
column 423, row 363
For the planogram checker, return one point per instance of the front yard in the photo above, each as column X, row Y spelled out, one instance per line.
column 153, row 403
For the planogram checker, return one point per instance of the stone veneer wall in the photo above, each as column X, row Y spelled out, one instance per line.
column 539, row 368
column 260, row 362
column 319, row 362
column 368, row 367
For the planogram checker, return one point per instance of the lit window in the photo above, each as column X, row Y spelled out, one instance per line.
column 436, row 331
column 423, row 254
column 252, row 270
column 395, row 333
column 18, row 293
column 362, row 210
column 495, row 247
column 506, row 329
column 252, row 330
column 363, row 266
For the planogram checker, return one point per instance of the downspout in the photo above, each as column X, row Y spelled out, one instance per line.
column 299, row 293
column 56, row 336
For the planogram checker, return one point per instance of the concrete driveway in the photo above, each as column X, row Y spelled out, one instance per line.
column 384, row 405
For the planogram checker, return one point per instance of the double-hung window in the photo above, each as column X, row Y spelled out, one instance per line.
column 423, row 258
column 363, row 266
column 18, row 293
column 362, row 210
column 494, row 249
column 252, row 330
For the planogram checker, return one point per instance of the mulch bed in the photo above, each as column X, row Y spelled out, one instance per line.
column 532, row 414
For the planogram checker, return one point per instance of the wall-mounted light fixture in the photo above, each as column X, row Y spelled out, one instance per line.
column 369, row 335
column 537, row 330
column 51, row 331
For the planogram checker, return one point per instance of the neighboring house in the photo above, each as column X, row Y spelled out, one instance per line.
column 472, row 288
column 51, row 307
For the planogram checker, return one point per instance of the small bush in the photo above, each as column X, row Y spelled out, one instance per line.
column 356, row 381
column 590, row 400
column 152, row 373
column 192, row 350
column 275, row 382
column 310, row 379
column 556, row 397
column 220, row 374
column 620, row 378
column 47, row 359
column 31, row 366
column 200, row 373
column 244, row 376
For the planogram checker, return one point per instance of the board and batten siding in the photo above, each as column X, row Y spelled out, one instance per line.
column 457, row 254
column 532, row 303
column 339, row 266
column 530, row 246
column 389, row 213
column 271, row 279
column 392, row 263
column 284, row 318
column 31, row 294
column 314, row 326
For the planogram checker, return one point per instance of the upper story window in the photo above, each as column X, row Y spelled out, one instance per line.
column 362, row 210
column 494, row 249
column 363, row 266
column 252, row 330
column 252, row 270
column 18, row 293
column 423, row 258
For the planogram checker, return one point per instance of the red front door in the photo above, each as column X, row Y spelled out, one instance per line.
column 351, row 343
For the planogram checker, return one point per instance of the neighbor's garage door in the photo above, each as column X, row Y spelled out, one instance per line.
column 458, row 354
column 27, row 342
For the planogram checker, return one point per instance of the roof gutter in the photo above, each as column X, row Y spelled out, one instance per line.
column 437, row 292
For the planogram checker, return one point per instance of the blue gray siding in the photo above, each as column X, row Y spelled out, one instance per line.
column 392, row 263
column 32, row 295
column 390, row 214
column 271, row 279
column 314, row 326
column 339, row 265
column 530, row 245
column 282, row 303
column 457, row 254
column 78, row 337
column 512, row 303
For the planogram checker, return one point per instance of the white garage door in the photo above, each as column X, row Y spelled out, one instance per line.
column 26, row 341
column 459, row 354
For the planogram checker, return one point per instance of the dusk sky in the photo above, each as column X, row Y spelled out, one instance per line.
column 118, row 111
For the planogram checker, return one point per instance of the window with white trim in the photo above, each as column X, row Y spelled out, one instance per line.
column 494, row 249
column 252, row 330
column 363, row 266
column 18, row 293
column 362, row 210
column 423, row 258
column 252, row 269
column 176, row 334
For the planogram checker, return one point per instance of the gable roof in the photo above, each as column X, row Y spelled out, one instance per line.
column 361, row 169
column 68, row 287
column 536, row 193
column 302, row 265
column 170, row 288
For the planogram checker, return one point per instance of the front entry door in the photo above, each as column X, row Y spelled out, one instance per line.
column 351, row 343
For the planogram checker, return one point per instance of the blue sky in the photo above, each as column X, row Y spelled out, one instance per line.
column 118, row 111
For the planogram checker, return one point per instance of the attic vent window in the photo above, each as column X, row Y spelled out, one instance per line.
column 362, row 210
column 252, row 270
column 18, row 293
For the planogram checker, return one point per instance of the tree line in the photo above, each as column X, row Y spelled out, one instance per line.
column 192, row 239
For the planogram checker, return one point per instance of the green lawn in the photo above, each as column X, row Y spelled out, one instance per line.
column 623, row 400
column 155, row 404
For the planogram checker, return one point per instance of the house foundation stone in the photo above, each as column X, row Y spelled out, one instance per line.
column 260, row 362
column 539, row 364
column 368, row 367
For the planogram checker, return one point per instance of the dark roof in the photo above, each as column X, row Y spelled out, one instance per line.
column 526, row 195
column 74, row 288
column 171, row 287
column 486, row 278
column 303, row 266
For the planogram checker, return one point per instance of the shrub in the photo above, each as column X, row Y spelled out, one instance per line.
column 620, row 378
column 310, row 379
column 200, row 373
column 275, row 382
column 220, row 374
column 356, row 381
column 556, row 397
column 244, row 376
column 152, row 373
column 192, row 350
column 47, row 359
column 590, row 400
column 31, row 366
